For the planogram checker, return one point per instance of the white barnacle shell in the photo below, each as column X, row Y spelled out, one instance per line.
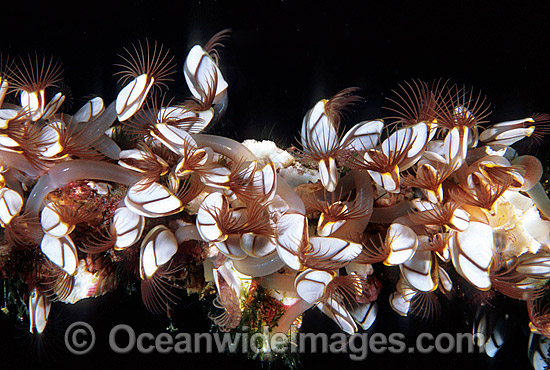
column 326, row 227
column 53, row 105
column 397, row 141
column 10, row 205
column 509, row 132
column 198, row 158
column 388, row 180
column 257, row 245
column 363, row 136
column 3, row 90
column 6, row 115
column 199, row 71
column 365, row 314
column 317, row 130
column 444, row 254
column 359, row 269
column 537, row 351
column 175, row 138
column 176, row 114
column 494, row 334
column 419, row 270
column 460, row 220
column 216, row 177
column 291, row 232
column 246, row 171
column 333, row 249
column 408, row 144
column 423, row 205
column 472, row 254
column 32, row 103
column 132, row 96
column 418, row 141
column 399, row 304
column 52, row 223
column 266, row 180
column 428, row 171
column 320, row 136
column 445, row 282
column 153, row 201
column 328, row 172
column 402, row 241
column 311, row 284
column 534, row 265
column 228, row 273
column 39, row 310
column 400, row 300
column 157, row 248
column 127, row 158
column 208, row 215
column 231, row 247
column 92, row 109
column 455, row 146
column 49, row 136
column 60, row 251
column 9, row 144
column 518, row 217
column 204, row 119
column 339, row 314
column 127, row 227
column 173, row 113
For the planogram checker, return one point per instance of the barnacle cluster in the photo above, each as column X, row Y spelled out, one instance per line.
column 434, row 191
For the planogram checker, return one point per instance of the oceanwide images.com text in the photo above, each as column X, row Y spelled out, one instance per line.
column 80, row 339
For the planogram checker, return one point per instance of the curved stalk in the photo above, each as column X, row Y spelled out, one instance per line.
column 532, row 168
column 295, row 311
column 65, row 172
column 386, row 215
column 277, row 281
column 294, row 202
column 475, row 154
column 12, row 182
column 356, row 226
column 226, row 147
column 107, row 147
column 19, row 162
column 97, row 127
column 187, row 232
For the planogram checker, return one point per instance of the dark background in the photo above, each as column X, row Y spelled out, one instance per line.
column 282, row 57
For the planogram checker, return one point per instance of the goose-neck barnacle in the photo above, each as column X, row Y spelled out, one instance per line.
column 433, row 193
